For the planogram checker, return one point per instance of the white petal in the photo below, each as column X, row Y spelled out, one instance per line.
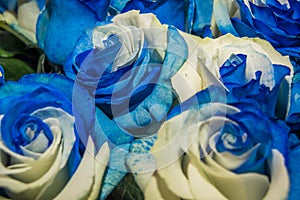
column 279, row 186
column 27, row 15
column 235, row 186
column 36, row 147
column 201, row 188
column 157, row 189
column 86, row 181
column 45, row 177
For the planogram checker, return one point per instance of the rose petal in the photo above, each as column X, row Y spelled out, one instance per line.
column 86, row 182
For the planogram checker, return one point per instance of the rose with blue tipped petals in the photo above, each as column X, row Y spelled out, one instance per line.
column 275, row 21
column 252, row 68
column 127, row 74
column 212, row 147
column 41, row 153
column 35, row 116
column 132, row 68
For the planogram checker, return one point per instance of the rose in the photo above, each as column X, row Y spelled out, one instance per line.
column 216, row 153
column 237, row 61
column 275, row 21
column 61, row 23
column 133, row 61
column 126, row 69
column 275, row 95
column 40, row 156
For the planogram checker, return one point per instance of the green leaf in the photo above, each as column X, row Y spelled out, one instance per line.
column 10, row 45
column 126, row 189
column 14, row 68
column 20, row 37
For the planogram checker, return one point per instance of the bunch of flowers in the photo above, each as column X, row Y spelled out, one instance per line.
column 149, row 99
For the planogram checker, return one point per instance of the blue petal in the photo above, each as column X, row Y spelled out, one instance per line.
column 222, row 18
column 233, row 71
column 99, row 7
column 57, row 32
column 264, row 14
column 293, row 117
column 8, row 5
column 243, row 29
column 202, row 18
column 41, row 3
column 57, row 81
column 170, row 12
column 118, row 5
column 116, row 170
column 211, row 94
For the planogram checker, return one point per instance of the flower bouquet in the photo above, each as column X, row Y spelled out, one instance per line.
column 149, row 99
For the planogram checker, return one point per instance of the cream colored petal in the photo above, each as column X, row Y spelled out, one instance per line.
column 175, row 180
column 22, row 190
column 133, row 18
column 235, row 186
column 229, row 160
column 44, row 177
column 66, row 124
column 9, row 17
column 33, row 169
column 27, row 15
column 131, row 38
column 201, row 188
column 157, row 189
column 36, row 147
column 102, row 159
column 279, row 186
column 86, row 182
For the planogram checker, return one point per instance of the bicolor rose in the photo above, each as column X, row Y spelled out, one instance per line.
column 40, row 155
column 211, row 150
column 275, row 21
column 250, row 67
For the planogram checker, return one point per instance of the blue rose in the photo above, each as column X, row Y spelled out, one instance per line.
column 40, row 151
column 275, row 21
column 62, row 22
column 216, row 152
